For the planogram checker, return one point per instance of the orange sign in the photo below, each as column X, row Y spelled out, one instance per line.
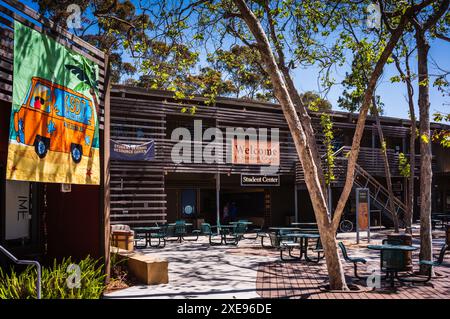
column 363, row 209
column 363, row 216
column 254, row 152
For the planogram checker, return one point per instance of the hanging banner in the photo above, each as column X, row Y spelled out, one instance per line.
column 127, row 152
column 17, row 210
column 53, row 127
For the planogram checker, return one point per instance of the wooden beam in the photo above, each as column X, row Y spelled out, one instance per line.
column 106, row 231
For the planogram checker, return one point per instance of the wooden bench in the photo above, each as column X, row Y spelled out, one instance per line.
column 150, row 270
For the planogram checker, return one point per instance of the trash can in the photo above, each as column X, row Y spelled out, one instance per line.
column 123, row 239
column 398, row 260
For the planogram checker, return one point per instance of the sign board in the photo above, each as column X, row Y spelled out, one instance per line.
column 254, row 152
column 362, row 212
column 260, row 180
column 54, row 133
column 17, row 205
column 126, row 152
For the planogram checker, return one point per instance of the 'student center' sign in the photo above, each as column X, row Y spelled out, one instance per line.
column 260, row 180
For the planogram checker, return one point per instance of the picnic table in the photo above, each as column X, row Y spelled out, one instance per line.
column 241, row 222
column 147, row 232
column 279, row 230
column 443, row 218
column 185, row 224
column 304, row 238
column 223, row 231
column 391, row 269
column 304, row 224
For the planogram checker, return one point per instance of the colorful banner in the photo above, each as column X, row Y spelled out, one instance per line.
column 53, row 128
column 126, row 152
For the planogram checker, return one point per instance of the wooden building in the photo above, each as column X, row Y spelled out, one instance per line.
column 160, row 190
column 62, row 224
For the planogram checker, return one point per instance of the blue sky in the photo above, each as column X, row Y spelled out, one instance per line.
column 393, row 95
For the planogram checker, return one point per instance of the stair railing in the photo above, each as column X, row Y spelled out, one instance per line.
column 26, row 262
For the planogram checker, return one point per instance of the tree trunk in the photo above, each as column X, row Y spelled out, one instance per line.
column 426, row 173
column 387, row 170
column 408, row 218
column 412, row 151
column 367, row 101
column 305, row 119
column 319, row 202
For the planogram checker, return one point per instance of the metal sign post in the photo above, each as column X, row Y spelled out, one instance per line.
column 362, row 212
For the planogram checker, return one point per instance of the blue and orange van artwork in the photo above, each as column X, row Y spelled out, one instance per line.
column 56, row 118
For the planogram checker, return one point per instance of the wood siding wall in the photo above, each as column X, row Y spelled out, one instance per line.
column 138, row 193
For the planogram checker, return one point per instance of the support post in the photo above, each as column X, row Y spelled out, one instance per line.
column 105, row 180
column 296, row 202
column 218, row 198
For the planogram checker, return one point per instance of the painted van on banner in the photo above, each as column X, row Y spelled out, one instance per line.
column 54, row 129
column 55, row 118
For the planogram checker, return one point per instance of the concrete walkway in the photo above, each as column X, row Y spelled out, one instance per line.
column 197, row 270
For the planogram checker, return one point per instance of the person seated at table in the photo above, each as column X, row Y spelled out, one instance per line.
column 233, row 212
column 226, row 213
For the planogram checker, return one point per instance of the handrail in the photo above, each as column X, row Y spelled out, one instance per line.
column 26, row 262
column 335, row 153
column 380, row 186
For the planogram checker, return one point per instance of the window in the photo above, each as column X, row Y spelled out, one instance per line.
column 41, row 98
column 188, row 202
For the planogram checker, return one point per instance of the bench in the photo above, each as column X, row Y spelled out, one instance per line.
column 432, row 264
column 354, row 260
column 149, row 270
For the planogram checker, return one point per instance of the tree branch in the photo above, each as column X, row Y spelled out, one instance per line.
column 441, row 36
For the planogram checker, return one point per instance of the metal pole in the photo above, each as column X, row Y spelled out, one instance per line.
column 357, row 215
column 368, row 208
column 218, row 199
column 296, row 203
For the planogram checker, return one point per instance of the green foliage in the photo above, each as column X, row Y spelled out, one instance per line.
column 441, row 136
column 403, row 165
column 315, row 102
column 54, row 281
column 327, row 129
column 425, row 138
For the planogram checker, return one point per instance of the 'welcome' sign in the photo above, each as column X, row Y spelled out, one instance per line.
column 255, row 152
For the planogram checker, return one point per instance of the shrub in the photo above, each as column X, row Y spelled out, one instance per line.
column 58, row 282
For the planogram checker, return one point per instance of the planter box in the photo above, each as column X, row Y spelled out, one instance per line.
column 150, row 270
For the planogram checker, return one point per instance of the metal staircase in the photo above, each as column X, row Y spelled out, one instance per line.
column 379, row 195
